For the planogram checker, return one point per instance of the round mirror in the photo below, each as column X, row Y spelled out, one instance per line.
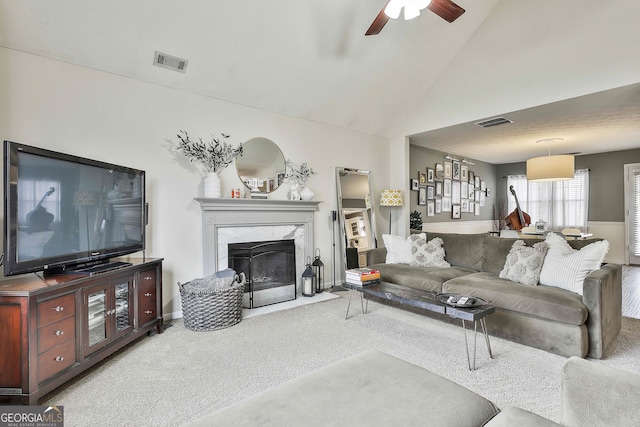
column 261, row 167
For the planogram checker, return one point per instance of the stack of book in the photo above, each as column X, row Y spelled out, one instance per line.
column 362, row 276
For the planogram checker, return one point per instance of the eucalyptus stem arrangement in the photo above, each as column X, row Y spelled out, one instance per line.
column 214, row 155
column 298, row 174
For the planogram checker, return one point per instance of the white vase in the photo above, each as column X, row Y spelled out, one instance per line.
column 306, row 194
column 212, row 185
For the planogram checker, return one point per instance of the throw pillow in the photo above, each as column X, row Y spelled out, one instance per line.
column 427, row 254
column 566, row 268
column 398, row 249
column 524, row 263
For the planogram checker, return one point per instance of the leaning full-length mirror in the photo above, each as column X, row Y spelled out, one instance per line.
column 261, row 167
column 355, row 215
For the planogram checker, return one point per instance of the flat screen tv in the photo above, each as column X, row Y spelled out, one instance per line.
column 63, row 212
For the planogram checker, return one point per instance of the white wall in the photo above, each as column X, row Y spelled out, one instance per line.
column 93, row 114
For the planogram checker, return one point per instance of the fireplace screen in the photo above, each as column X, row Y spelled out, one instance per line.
column 270, row 270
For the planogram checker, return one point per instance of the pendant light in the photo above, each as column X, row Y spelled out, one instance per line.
column 550, row 168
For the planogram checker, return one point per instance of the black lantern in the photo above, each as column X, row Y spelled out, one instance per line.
column 308, row 279
column 318, row 269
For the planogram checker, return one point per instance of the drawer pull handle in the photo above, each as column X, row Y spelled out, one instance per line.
column 59, row 333
column 59, row 358
column 148, row 294
column 59, row 308
column 148, row 312
column 147, row 278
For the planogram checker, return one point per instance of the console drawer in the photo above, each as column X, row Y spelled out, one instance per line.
column 56, row 334
column 148, row 312
column 148, row 279
column 56, row 309
column 55, row 360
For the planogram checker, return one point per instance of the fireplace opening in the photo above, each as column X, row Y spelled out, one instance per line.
column 269, row 268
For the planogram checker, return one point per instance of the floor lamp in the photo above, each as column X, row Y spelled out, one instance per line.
column 391, row 198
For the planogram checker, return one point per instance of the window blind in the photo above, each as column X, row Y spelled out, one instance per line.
column 636, row 214
column 561, row 204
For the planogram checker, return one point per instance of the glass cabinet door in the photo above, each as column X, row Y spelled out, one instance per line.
column 123, row 320
column 96, row 317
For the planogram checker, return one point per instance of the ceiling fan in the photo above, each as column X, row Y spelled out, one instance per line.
column 446, row 9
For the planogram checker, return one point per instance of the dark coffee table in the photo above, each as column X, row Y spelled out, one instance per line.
column 428, row 300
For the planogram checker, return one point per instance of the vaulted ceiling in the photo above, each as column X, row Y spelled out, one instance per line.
column 310, row 59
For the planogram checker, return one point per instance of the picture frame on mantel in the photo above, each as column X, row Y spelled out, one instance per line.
column 455, row 211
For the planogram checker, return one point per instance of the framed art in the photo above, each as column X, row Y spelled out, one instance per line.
column 471, row 189
column 431, row 208
column 455, row 192
column 439, row 171
column 483, row 185
column 471, row 177
column 477, row 209
column 414, row 184
column 455, row 171
column 464, row 205
column 482, row 198
column 477, row 196
column 447, row 188
column 422, row 178
column 430, row 175
column 430, row 192
column 464, row 191
column 438, row 206
column 488, row 191
column 447, row 170
column 455, row 211
column 464, row 177
column 422, row 196
column 446, row 204
column 476, row 182
column 438, row 188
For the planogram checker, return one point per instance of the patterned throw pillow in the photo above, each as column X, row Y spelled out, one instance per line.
column 524, row 263
column 566, row 268
column 427, row 254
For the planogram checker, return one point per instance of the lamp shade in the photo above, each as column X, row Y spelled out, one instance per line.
column 391, row 198
column 551, row 168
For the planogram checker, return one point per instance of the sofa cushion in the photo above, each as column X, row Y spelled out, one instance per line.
column 524, row 263
column 462, row 250
column 545, row 302
column 566, row 268
column 427, row 254
column 423, row 278
column 371, row 388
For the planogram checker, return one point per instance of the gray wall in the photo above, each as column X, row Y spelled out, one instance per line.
column 420, row 158
column 606, row 181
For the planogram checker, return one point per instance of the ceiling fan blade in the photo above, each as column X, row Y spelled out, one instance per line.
column 378, row 23
column 446, row 9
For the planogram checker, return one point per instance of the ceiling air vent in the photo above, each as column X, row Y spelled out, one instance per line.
column 171, row 62
column 493, row 122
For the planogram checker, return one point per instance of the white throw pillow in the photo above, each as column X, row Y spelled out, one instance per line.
column 524, row 263
column 427, row 254
column 398, row 249
column 565, row 267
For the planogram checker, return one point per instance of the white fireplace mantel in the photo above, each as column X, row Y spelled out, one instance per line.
column 220, row 215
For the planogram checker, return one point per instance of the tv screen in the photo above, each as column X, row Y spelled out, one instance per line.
column 62, row 211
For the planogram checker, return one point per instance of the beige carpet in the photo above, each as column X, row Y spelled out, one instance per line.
column 179, row 375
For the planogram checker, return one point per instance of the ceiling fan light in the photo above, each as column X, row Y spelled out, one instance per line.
column 411, row 11
column 393, row 8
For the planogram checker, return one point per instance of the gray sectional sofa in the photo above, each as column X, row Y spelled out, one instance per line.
column 544, row 317
column 376, row 389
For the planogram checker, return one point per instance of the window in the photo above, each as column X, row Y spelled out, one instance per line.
column 561, row 204
column 32, row 192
